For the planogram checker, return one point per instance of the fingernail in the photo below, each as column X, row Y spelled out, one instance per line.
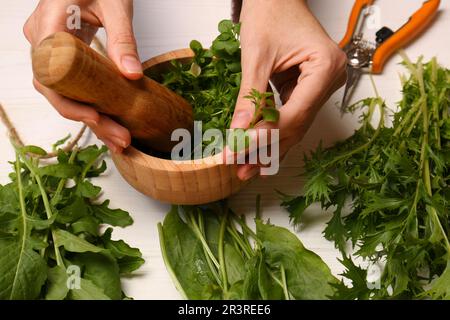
column 90, row 122
column 118, row 141
column 241, row 119
column 111, row 146
column 131, row 64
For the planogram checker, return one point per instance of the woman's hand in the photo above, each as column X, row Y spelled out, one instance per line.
column 283, row 42
column 116, row 16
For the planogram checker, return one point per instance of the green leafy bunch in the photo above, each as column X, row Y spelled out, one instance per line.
column 51, row 246
column 211, row 253
column 388, row 188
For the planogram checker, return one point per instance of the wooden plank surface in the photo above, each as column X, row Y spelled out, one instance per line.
column 170, row 24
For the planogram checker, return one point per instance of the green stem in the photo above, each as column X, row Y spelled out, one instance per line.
column 23, row 209
column 284, row 282
column 413, row 123
column 223, row 268
column 434, row 78
column 424, row 160
column 63, row 181
column 247, row 229
column 238, row 240
column 87, row 168
column 47, row 206
column 202, row 239
column 246, row 235
column 208, row 259
column 407, row 117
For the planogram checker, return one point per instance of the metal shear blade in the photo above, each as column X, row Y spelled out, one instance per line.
column 353, row 76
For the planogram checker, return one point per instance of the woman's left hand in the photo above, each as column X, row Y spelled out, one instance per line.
column 283, row 42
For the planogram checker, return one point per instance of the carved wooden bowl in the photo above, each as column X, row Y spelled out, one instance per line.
column 178, row 182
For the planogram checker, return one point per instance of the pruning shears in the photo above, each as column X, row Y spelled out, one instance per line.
column 370, row 57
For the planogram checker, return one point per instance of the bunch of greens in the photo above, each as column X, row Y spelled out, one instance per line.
column 50, row 244
column 389, row 188
column 211, row 82
column 211, row 253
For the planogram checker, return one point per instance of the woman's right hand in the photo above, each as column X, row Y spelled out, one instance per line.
column 116, row 17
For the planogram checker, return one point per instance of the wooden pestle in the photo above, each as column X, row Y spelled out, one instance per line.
column 149, row 110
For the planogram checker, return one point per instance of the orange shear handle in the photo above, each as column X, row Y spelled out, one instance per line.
column 408, row 32
column 353, row 21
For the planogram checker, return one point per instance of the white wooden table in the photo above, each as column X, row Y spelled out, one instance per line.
column 171, row 24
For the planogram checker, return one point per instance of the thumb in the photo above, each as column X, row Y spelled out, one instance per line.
column 252, row 78
column 122, row 48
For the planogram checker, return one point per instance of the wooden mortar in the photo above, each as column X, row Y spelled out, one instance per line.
column 177, row 182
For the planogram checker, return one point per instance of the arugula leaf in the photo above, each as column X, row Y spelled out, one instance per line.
column 22, row 269
column 34, row 150
column 45, row 226
column 57, row 283
column 88, row 291
column 114, row 217
column 73, row 243
column 129, row 259
column 102, row 270
column 86, row 224
column 62, row 170
column 87, row 190
column 73, row 211
column 9, row 202
column 60, row 142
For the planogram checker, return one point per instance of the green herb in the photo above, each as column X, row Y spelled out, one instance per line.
column 264, row 107
column 389, row 191
column 211, row 253
column 50, row 243
column 211, row 82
